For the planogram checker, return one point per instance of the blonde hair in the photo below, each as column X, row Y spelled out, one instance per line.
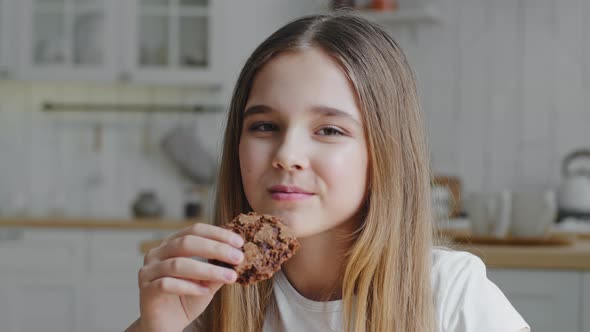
column 386, row 283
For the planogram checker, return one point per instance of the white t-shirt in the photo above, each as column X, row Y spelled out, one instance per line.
column 465, row 301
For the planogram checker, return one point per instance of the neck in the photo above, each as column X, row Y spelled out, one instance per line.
column 316, row 271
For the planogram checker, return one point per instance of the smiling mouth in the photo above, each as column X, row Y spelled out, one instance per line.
column 289, row 193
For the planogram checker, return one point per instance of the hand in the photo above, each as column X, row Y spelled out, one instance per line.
column 174, row 287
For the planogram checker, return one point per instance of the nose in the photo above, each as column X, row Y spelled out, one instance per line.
column 290, row 155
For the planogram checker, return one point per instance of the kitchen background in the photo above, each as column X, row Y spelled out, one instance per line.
column 504, row 85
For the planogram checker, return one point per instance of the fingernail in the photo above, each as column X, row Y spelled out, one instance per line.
column 236, row 255
column 237, row 241
column 229, row 275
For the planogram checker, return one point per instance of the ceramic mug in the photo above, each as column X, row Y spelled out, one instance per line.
column 533, row 213
column 489, row 213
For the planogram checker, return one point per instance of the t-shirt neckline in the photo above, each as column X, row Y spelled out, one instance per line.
column 318, row 306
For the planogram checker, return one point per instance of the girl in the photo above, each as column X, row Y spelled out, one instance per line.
column 325, row 132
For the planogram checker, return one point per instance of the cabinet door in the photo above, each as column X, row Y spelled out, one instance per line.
column 46, row 305
column 68, row 39
column 174, row 41
column 6, row 12
column 7, row 307
column 586, row 303
column 40, row 279
column 110, row 305
column 548, row 300
column 111, row 286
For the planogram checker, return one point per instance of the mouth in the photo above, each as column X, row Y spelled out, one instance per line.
column 289, row 193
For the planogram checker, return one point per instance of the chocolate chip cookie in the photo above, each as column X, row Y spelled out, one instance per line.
column 268, row 243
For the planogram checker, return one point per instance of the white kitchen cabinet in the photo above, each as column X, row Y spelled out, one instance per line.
column 46, row 304
column 173, row 41
column 70, row 280
column 112, row 293
column 41, row 273
column 6, row 57
column 110, row 306
column 7, row 308
column 68, row 39
column 586, row 303
column 144, row 41
column 549, row 300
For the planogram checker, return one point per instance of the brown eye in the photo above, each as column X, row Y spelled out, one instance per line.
column 263, row 126
column 330, row 131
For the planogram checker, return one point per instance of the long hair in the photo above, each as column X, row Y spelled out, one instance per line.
column 386, row 283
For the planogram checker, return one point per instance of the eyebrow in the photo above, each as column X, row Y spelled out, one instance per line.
column 323, row 110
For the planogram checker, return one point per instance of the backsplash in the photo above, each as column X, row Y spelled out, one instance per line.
column 92, row 163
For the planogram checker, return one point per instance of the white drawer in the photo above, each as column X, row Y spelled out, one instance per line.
column 41, row 252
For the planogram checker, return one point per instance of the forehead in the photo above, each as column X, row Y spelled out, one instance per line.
column 299, row 80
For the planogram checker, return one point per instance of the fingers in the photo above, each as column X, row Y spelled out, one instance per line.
column 177, row 286
column 195, row 246
column 171, row 267
column 211, row 232
column 188, row 269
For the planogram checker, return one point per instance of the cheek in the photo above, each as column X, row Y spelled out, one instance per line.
column 253, row 158
column 345, row 173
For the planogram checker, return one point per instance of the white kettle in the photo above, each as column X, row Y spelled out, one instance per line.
column 574, row 191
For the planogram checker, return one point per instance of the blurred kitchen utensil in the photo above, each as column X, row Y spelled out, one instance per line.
column 193, row 201
column 446, row 196
column 574, row 191
column 489, row 213
column 182, row 146
column 533, row 213
column 147, row 205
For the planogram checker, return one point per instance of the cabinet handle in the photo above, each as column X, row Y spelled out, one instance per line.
column 11, row 235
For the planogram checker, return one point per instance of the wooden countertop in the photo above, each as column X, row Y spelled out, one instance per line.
column 575, row 256
column 84, row 223
column 567, row 257
column 572, row 256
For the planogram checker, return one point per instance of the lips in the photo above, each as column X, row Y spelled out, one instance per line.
column 289, row 193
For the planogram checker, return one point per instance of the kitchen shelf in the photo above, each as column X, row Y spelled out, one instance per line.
column 91, row 223
column 162, row 108
column 426, row 14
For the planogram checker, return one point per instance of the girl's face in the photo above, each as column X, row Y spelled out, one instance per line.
column 303, row 155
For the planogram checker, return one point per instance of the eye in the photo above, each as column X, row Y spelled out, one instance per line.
column 330, row 131
column 263, row 127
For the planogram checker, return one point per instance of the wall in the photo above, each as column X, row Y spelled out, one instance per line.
column 505, row 88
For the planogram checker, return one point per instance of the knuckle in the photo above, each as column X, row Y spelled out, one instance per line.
column 163, row 284
column 198, row 228
column 141, row 273
column 149, row 256
column 183, row 242
column 175, row 265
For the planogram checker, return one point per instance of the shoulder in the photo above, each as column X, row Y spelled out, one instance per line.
column 461, row 290
column 447, row 262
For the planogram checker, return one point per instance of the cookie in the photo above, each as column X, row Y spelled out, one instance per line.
column 268, row 243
